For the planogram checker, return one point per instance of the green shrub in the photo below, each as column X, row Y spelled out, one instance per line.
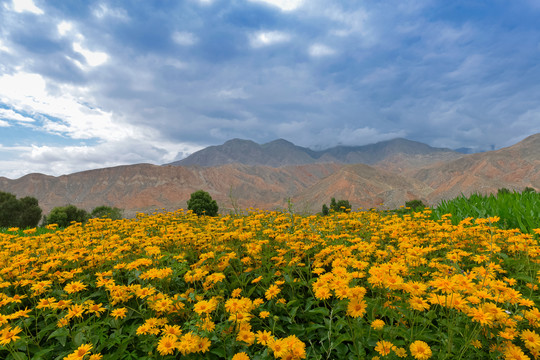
column 22, row 213
column 106, row 212
column 201, row 203
column 415, row 205
column 63, row 216
column 340, row 205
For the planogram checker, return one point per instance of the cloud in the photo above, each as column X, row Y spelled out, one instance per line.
column 284, row 5
column 266, row 38
column 99, row 78
column 184, row 38
column 8, row 114
column 3, row 47
column 103, row 11
column 64, row 27
column 93, row 58
column 320, row 50
column 26, row 6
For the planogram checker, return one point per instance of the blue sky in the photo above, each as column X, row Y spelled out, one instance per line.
column 90, row 84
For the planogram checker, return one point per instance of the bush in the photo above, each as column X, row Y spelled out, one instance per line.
column 21, row 213
column 340, row 205
column 107, row 212
column 63, row 216
column 325, row 211
column 415, row 205
column 201, row 203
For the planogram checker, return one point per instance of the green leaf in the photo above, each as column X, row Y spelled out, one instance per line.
column 60, row 335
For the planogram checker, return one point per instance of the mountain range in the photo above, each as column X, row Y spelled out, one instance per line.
column 242, row 174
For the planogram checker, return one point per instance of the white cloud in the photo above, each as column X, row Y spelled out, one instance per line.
column 184, row 38
column 93, row 58
column 26, row 5
column 4, row 48
column 319, row 50
column 64, row 27
column 4, row 123
column 60, row 160
column 28, row 92
column 265, row 38
column 103, row 11
column 8, row 114
column 233, row 93
column 284, row 5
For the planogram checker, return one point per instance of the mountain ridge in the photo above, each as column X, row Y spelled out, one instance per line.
column 387, row 183
column 282, row 152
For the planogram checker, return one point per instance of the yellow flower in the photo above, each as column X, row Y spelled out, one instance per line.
column 167, row 345
column 377, row 324
column 9, row 334
column 272, row 292
column 74, row 286
column 240, row 356
column 264, row 337
column 246, row 336
column 531, row 339
column 80, row 353
column 356, row 308
column 264, row 314
column 384, row 347
column 417, row 303
column 205, row 306
column 420, row 350
column 119, row 313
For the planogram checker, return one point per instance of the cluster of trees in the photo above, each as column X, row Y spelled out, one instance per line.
column 26, row 213
column 64, row 215
column 336, row 206
column 21, row 213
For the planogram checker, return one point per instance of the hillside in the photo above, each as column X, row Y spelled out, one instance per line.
column 429, row 175
column 281, row 153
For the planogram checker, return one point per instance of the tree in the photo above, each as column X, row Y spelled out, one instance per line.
column 30, row 212
column 64, row 215
column 325, row 211
column 336, row 206
column 340, row 205
column 415, row 205
column 201, row 203
column 21, row 213
column 107, row 212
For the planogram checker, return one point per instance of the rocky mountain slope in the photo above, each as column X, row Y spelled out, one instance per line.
column 393, row 178
column 281, row 152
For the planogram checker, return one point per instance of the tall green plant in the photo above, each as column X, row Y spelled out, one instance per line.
column 517, row 210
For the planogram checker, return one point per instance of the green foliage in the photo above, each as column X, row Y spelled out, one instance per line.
column 106, row 212
column 340, row 205
column 21, row 213
column 415, row 205
column 63, row 216
column 325, row 211
column 201, row 203
column 516, row 210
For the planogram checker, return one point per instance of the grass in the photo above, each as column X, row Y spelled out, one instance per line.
column 516, row 210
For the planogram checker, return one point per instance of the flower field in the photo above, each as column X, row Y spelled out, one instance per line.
column 270, row 285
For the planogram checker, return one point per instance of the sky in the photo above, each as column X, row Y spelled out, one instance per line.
column 92, row 84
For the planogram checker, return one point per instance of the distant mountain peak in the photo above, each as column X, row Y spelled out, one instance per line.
column 281, row 152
